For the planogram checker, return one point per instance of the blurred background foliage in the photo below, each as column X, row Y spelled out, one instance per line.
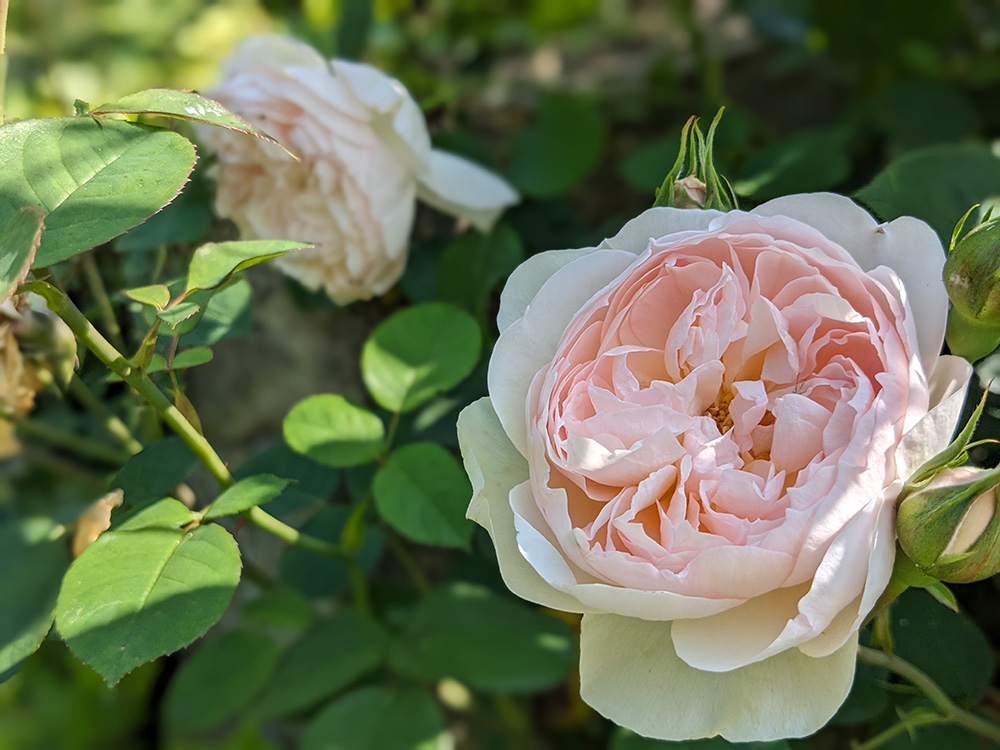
column 579, row 103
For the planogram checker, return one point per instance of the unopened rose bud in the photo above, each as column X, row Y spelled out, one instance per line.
column 951, row 529
column 694, row 182
column 690, row 193
column 972, row 278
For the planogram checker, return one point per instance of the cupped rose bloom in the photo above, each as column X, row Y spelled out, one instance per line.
column 365, row 156
column 695, row 436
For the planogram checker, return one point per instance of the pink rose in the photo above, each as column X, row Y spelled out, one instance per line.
column 365, row 157
column 695, row 436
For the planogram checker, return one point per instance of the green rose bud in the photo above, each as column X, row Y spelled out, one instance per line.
column 950, row 528
column 972, row 278
column 693, row 181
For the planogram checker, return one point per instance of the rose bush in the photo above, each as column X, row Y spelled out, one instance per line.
column 695, row 435
column 365, row 156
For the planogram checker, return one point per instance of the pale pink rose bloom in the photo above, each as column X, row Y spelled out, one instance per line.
column 365, row 156
column 695, row 436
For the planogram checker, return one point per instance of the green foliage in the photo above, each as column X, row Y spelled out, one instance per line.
column 808, row 161
column 138, row 593
column 417, row 353
column 18, row 242
column 474, row 264
column 246, row 494
column 490, row 642
column 153, row 473
column 328, row 657
column 219, row 680
column 332, row 431
column 626, row 740
column 423, row 492
column 562, row 148
column 214, row 263
column 92, row 180
column 32, row 562
column 375, row 718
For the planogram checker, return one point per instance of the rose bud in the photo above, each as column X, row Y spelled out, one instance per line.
column 951, row 529
column 970, row 276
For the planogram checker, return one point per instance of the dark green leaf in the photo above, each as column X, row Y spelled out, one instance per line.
column 311, row 483
column 219, row 680
column 215, row 262
column 283, row 609
column 226, row 314
column 423, row 493
column 199, row 355
column 183, row 105
column 936, row 184
column 484, row 640
column 352, row 31
column 474, row 264
column 156, row 295
column 328, row 657
column 185, row 220
column 375, row 718
column 177, row 313
column 417, row 353
column 317, row 575
column 135, row 595
column 332, row 431
column 627, row 740
column 246, row 494
column 32, row 562
column 561, row 149
column 946, row 645
column 645, row 167
column 808, row 161
column 19, row 240
column 153, row 473
column 92, row 180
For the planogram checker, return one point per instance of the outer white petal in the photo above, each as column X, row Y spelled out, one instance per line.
column 528, row 345
column 630, row 674
column 396, row 118
column 908, row 246
column 494, row 467
column 934, row 431
column 272, row 52
column 458, row 187
column 523, row 284
column 654, row 223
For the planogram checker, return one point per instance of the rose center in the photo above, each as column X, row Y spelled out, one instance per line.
column 719, row 411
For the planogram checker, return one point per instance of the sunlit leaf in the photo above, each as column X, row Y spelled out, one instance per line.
column 332, row 431
column 246, row 494
column 19, row 240
column 215, row 262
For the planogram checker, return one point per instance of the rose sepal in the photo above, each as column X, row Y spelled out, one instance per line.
column 701, row 186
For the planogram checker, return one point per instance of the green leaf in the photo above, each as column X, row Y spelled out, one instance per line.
column 183, row 105
column 133, row 596
column 156, row 295
column 226, row 314
column 92, row 180
column 215, row 262
column 177, row 313
column 946, row 645
column 484, row 640
column 808, row 161
column 219, row 681
column 153, row 473
column 317, row 575
column 423, row 493
column 562, row 148
column 32, row 562
column 246, row 494
column 282, row 609
column 165, row 513
column 418, row 352
column 332, row 431
column 186, row 220
column 474, row 264
column 376, row 718
column 311, row 483
column 19, row 240
column 353, row 28
column 183, row 360
column 936, row 184
column 328, row 657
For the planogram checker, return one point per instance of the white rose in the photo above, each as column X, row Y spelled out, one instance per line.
column 695, row 436
column 365, row 155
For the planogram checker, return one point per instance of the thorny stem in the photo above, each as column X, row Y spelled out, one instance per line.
column 84, row 331
column 950, row 712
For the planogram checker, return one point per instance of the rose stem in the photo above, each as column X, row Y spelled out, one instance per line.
column 952, row 713
column 84, row 330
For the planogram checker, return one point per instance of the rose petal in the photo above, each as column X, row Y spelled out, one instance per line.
column 494, row 467
column 908, row 246
column 523, row 284
column 271, row 52
column 933, row 432
column 528, row 344
column 655, row 223
column 630, row 674
column 458, row 187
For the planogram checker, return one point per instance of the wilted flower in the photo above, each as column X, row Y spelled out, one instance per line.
column 365, row 156
column 695, row 436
